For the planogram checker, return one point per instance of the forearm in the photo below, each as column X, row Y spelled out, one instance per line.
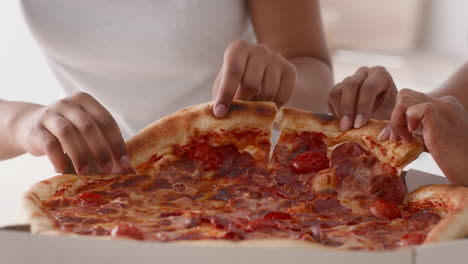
column 314, row 80
column 13, row 114
column 456, row 85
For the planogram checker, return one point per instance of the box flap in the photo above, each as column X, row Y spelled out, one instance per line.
column 443, row 253
column 415, row 178
column 18, row 247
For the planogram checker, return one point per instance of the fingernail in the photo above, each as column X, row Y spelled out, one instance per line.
column 393, row 137
column 83, row 170
column 359, row 121
column 220, row 110
column 59, row 170
column 381, row 135
column 345, row 123
column 108, row 167
column 125, row 162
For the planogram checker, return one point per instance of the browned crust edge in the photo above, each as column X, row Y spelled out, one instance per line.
column 455, row 224
column 398, row 154
column 160, row 136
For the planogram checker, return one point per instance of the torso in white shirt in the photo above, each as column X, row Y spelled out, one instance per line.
column 141, row 59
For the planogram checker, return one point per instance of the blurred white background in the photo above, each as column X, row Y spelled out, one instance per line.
column 420, row 42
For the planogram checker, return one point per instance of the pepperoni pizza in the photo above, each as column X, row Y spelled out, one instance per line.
column 203, row 180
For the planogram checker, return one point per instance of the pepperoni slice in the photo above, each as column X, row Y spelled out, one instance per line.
column 411, row 239
column 261, row 225
column 228, row 154
column 346, row 151
column 127, row 230
column 90, row 199
column 277, row 216
column 310, row 141
column 309, row 162
column 384, row 209
column 320, row 206
column 244, row 160
column 344, row 169
column 222, row 195
column 388, row 187
column 424, row 219
column 208, row 157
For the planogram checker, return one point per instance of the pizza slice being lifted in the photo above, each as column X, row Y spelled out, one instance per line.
column 203, row 179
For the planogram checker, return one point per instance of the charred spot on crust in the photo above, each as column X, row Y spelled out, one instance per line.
column 264, row 110
column 238, row 107
column 325, row 117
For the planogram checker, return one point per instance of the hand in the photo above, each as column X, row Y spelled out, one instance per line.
column 370, row 92
column 444, row 125
column 252, row 72
column 80, row 127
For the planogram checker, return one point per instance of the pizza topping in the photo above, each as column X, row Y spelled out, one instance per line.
column 222, row 195
column 388, row 187
column 344, row 169
column 244, row 160
column 261, row 225
column 320, row 206
column 424, row 218
column 127, row 230
column 215, row 187
column 411, row 239
column 309, row 162
column 346, row 151
column 384, row 209
column 208, row 157
column 309, row 141
column 90, row 199
column 277, row 216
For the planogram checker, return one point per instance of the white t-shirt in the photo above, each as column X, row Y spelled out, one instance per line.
column 142, row 59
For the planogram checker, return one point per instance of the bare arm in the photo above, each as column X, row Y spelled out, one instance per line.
column 456, row 85
column 13, row 114
column 295, row 31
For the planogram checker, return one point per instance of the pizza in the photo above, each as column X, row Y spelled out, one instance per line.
column 209, row 181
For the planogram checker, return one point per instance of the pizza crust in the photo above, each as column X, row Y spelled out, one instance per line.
column 454, row 225
column 159, row 137
column 397, row 154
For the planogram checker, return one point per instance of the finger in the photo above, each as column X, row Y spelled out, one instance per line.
column 393, row 136
column 252, row 77
column 403, row 102
column 109, row 129
column 235, row 60
column 70, row 141
column 270, row 84
column 350, row 93
column 286, row 86
column 91, row 135
column 377, row 83
column 384, row 135
column 417, row 113
column 398, row 119
column 216, row 84
column 334, row 100
column 401, row 132
column 49, row 145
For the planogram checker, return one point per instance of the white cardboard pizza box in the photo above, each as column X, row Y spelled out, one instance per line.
column 21, row 247
column 18, row 247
